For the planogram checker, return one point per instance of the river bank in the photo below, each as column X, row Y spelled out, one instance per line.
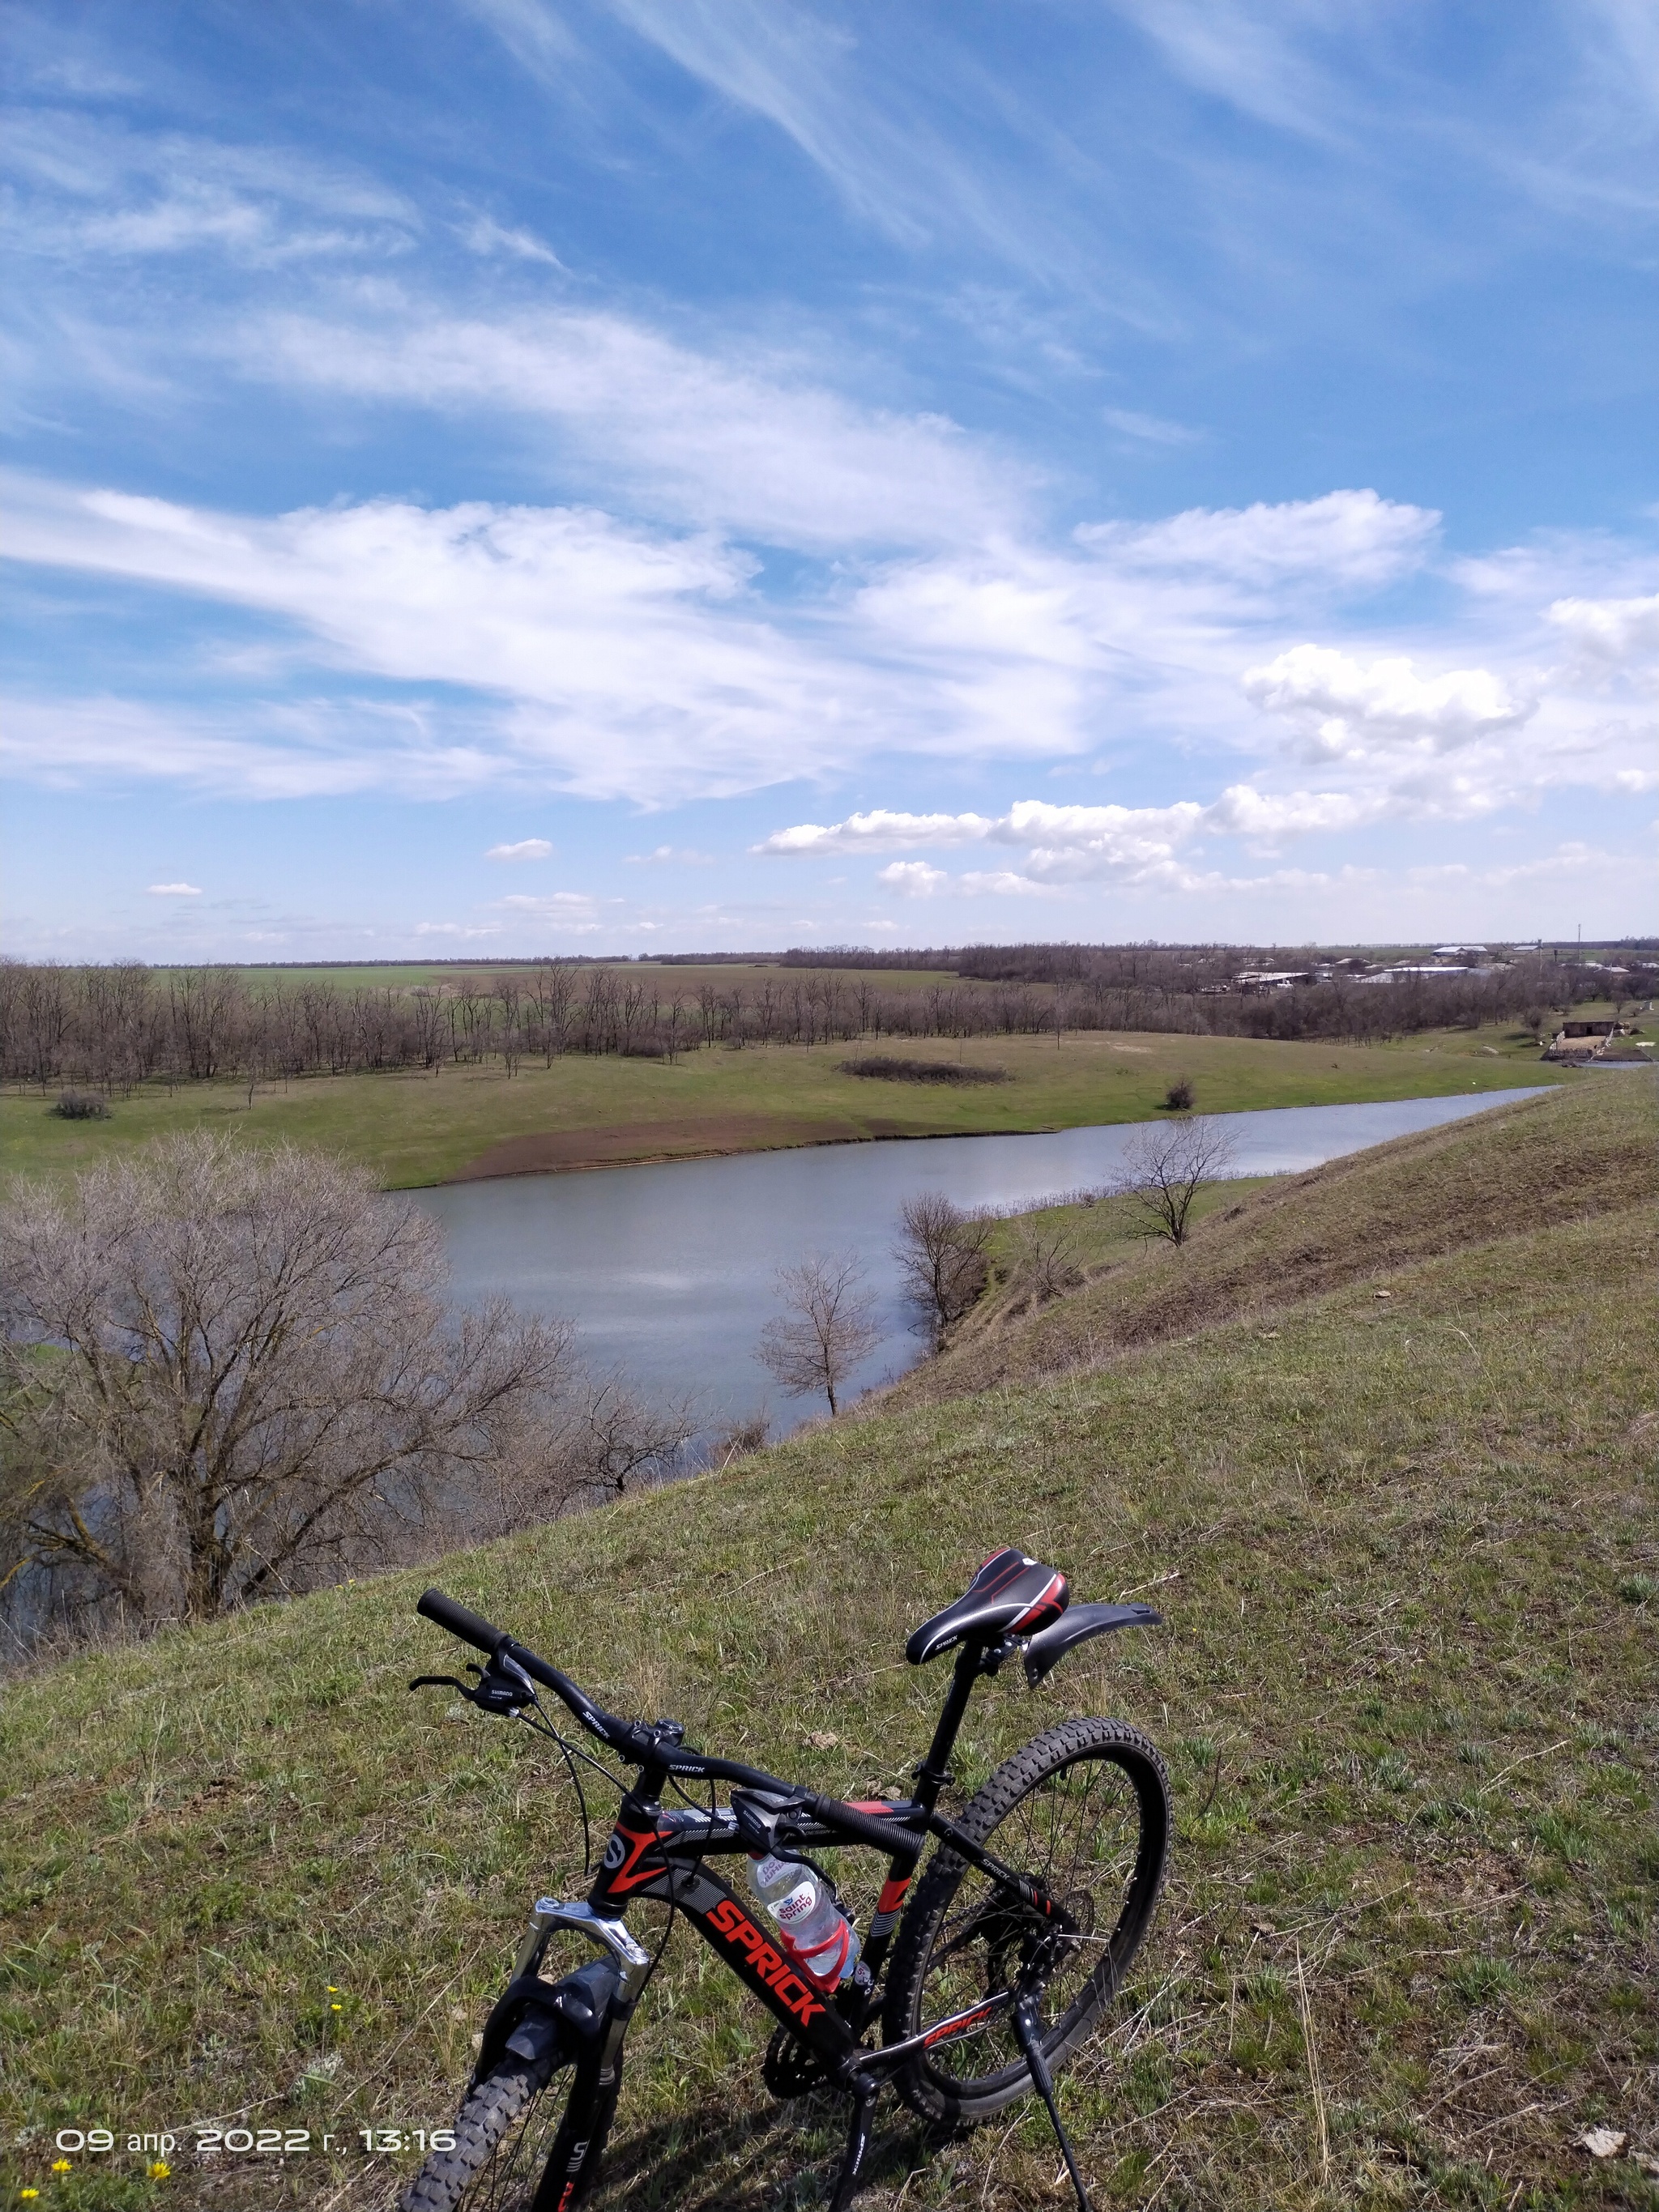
column 414, row 1131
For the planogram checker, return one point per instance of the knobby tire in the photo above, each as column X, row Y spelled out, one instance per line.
column 505, row 2136
column 1085, row 1808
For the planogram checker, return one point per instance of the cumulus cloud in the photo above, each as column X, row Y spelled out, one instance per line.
column 1071, row 844
column 1612, row 630
column 912, row 878
column 879, row 830
column 1345, row 709
column 527, row 848
column 175, row 890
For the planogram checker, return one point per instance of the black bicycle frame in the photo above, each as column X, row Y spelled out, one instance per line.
column 662, row 1856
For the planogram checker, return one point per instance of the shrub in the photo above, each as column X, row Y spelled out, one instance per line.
column 1178, row 1098
column 888, row 1067
column 81, row 1106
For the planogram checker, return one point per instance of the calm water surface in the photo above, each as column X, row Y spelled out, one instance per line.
column 668, row 1270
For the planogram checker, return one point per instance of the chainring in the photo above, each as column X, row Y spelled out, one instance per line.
column 790, row 2069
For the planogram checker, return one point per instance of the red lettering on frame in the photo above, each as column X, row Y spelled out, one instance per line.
column 729, row 1921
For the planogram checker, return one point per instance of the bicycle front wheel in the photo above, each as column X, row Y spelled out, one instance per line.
column 1085, row 1809
column 515, row 2137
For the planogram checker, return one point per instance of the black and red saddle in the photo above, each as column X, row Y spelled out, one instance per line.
column 1013, row 1594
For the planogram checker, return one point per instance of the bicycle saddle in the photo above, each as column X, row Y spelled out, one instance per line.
column 1013, row 1594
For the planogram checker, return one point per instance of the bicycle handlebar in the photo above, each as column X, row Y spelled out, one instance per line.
column 627, row 1737
column 637, row 1742
column 471, row 1627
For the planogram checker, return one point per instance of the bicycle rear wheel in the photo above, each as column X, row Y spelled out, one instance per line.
column 1085, row 1807
column 515, row 2136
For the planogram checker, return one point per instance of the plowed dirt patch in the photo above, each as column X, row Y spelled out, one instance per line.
column 694, row 1137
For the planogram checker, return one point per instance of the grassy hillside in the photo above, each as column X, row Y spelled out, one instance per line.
column 1539, row 1162
column 413, row 1129
column 1407, row 1552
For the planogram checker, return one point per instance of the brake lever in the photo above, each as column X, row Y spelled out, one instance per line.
column 502, row 1687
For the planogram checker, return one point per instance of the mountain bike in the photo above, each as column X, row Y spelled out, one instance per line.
column 974, row 1989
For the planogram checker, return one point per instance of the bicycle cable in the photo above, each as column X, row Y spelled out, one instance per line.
column 673, row 1895
column 570, row 1752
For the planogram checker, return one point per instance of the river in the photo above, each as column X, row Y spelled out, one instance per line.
column 668, row 1271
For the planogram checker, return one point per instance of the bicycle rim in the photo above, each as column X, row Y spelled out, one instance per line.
column 1084, row 1809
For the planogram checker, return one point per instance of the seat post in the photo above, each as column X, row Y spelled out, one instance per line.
column 935, row 1770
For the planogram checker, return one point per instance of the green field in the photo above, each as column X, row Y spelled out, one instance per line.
column 1406, row 1551
column 413, row 1129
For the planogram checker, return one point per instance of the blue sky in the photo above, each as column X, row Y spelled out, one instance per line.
column 500, row 475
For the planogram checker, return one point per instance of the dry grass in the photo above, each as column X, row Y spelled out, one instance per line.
column 1407, row 1550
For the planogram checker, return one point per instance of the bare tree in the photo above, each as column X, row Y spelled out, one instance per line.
column 827, row 1326
column 1045, row 1258
column 941, row 1254
column 227, row 1375
column 1167, row 1164
column 615, row 1436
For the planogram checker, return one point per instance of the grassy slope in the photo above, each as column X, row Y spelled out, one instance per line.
column 1406, row 1552
column 1542, row 1161
column 413, row 1129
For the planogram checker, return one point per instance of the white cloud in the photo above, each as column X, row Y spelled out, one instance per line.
column 880, row 830
column 1347, row 539
column 457, row 929
column 1001, row 883
column 912, row 878
column 555, row 904
column 486, row 237
column 1613, row 631
column 90, row 187
column 1150, row 429
column 1070, row 844
column 175, row 890
column 1344, row 709
column 527, row 848
column 558, row 647
column 753, row 442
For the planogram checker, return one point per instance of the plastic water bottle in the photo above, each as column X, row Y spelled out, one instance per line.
column 821, row 1942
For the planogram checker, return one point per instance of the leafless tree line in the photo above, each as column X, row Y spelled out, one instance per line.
column 118, row 1026
column 228, row 1375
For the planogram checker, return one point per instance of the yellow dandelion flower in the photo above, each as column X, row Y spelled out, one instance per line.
column 61, row 2165
column 26, row 2193
column 159, row 2171
column 332, row 1991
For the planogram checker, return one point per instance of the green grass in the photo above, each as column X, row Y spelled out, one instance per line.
column 1259, row 1245
column 415, row 1129
column 1406, row 1553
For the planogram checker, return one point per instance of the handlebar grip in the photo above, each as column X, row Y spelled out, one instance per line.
column 895, row 1837
column 471, row 1627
